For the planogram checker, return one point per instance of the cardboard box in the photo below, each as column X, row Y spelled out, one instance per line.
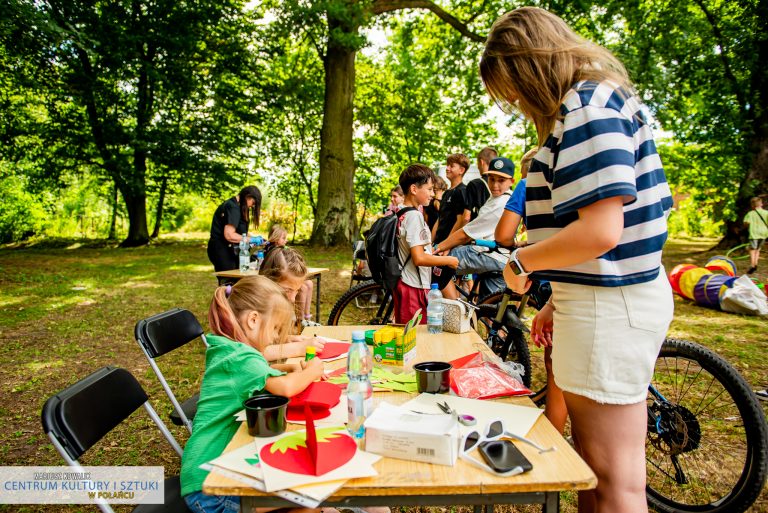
column 390, row 347
column 399, row 433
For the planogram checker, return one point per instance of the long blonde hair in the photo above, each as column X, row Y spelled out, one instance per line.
column 532, row 58
column 252, row 293
column 280, row 262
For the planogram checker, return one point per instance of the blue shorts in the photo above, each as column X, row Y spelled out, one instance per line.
column 198, row 502
column 472, row 262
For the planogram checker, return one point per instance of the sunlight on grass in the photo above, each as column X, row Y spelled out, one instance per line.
column 38, row 366
column 141, row 285
column 6, row 302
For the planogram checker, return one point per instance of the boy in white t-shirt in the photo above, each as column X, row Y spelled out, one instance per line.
column 415, row 245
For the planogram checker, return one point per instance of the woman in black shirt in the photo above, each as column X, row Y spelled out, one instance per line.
column 230, row 222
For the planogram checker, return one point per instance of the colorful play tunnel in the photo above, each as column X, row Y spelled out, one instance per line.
column 704, row 285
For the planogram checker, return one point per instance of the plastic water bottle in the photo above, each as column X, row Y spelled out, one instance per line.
column 259, row 259
column 245, row 253
column 435, row 310
column 359, row 390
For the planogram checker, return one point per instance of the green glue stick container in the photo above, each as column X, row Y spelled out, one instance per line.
column 311, row 353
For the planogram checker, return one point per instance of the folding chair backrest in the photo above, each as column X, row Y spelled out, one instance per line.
column 80, row 415
column 166, row 331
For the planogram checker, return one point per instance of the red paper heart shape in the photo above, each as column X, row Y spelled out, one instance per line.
column 297, row 414
column 319, row 395
column 333, row 349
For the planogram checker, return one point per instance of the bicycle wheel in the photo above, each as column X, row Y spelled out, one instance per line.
column 707, row 444
column 739, row 252
column 537, row 373
column 507, row 340
column 364, row 304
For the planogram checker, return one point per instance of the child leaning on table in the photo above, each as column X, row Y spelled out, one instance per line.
column 278, row 238
column 414, row 243
column 244, row 319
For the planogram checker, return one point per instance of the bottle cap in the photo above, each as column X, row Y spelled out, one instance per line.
column 435, row 286
column 358, row 335
column 260, row 254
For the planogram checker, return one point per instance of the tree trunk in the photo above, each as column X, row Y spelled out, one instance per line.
column 335, row 219
column 136, row 205
column 159, row 212
column 113, row 222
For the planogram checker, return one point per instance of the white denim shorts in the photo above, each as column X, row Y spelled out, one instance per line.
column 606, row 339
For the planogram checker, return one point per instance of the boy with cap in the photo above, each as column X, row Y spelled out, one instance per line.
column 477, row 259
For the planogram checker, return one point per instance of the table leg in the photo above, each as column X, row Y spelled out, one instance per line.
column 317, row 298
column 551, row 502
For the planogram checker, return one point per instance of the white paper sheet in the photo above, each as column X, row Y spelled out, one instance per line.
column 518, row 420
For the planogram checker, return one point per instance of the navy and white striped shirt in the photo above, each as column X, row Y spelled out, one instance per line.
column 601, row 147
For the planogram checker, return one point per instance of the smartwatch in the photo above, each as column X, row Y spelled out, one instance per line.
column 515, row 265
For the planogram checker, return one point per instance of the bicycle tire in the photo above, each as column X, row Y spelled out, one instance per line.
column 726, row 468
column 346, row 310
column 515, row 346
column 537, row 381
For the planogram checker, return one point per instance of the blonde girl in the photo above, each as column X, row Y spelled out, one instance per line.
column 245, row 319
column 596, row 207
column 277, row 263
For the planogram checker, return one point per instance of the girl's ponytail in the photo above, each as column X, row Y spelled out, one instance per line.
column 221, row 319
column 252, row 293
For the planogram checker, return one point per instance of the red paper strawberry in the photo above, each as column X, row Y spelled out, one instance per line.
column 293, row 453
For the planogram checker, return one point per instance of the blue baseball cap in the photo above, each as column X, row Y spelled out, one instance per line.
column 501, row 166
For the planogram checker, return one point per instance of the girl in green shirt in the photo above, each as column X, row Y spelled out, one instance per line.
column 245, row 319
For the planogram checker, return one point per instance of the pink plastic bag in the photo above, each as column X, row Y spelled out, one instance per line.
column 475, row 378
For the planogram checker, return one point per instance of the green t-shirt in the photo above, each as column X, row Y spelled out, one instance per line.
column 233, row 371
column 757, row 228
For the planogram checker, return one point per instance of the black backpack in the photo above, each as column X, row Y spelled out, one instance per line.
column 381, row 250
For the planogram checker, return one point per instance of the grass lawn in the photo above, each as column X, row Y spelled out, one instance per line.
column 69, row 308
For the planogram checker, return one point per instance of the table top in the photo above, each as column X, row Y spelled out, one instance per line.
column 237, row 273
column 560, row 470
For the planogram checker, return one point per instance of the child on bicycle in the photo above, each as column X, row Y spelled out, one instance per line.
column 245, row 319
column 278, row 238
column 477, row 259
column 612, row 303
column 757, row 221
column 414, row 243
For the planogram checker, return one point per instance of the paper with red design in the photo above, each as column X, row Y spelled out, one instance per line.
column 333, row 351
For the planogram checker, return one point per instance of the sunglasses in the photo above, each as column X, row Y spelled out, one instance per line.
column 494, row 430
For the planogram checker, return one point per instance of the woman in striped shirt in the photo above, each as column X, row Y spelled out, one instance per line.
column 597, row 202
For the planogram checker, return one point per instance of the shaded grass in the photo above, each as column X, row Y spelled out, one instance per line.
column 69, row 308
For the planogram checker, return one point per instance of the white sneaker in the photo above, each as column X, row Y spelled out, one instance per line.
column 307, row 322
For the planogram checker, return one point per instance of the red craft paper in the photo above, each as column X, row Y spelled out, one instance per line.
column 332, row 350
column 475, row 378
column 319, row 394
column 298, row 414
column 316, row 457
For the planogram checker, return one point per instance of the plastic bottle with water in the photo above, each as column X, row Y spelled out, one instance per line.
column 435, row 310
column 259, row 259
column 245, row 253
column 359, row 389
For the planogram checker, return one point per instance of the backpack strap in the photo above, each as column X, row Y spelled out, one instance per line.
column 400, row 215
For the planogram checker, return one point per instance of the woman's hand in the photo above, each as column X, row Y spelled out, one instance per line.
column 519, row 284
column 541, row 329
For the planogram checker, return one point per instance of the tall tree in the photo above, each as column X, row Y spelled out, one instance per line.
column 134, row 90
column 341, row 22
column 703, row 65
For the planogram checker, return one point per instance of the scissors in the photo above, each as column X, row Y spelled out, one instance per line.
column 467, row 420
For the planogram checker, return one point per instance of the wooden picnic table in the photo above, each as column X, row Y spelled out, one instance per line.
column 312, row 273
column 411, row 483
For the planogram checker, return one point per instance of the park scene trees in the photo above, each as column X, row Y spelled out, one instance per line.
column 324, row 102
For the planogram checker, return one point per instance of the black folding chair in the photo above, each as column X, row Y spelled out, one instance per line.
column 161, row 334
column 82, row 414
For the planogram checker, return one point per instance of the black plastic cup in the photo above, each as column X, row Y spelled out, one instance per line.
column 265, row 414
column 433, row 377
